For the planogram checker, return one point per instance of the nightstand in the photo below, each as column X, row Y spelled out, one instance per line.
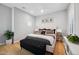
column 59, row 36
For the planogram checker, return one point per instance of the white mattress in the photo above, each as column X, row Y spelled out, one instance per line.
column 50, row 38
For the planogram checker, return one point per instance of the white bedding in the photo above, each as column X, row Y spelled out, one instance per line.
column 50, row 38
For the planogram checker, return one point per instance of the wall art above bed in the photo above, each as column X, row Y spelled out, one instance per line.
column 47, row 20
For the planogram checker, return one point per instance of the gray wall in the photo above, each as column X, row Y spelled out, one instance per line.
column 23, row 24
column 77, row 17
column 59, row 18
column 5, row 20
column 71, row 20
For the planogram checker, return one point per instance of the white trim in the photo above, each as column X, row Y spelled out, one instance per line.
column 13, row 19
column 2, row 43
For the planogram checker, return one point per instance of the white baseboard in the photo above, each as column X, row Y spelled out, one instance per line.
column 2, row 43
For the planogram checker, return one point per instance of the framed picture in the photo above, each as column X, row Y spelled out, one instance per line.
column 50, row 20
column 47, row 20
column 42, row 20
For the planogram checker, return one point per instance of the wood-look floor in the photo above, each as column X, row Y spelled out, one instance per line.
column 59, row 48
column 14, row 49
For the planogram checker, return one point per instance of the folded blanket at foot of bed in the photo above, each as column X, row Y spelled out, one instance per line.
column 35, row 45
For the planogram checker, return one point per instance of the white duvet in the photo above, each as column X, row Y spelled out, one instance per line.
column 49, row 38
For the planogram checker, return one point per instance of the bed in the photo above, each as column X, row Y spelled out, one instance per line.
column 38, row 44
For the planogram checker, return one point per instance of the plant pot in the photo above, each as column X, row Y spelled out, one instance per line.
column 9, row 41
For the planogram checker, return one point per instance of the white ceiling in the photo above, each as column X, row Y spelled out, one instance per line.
column 38, row 9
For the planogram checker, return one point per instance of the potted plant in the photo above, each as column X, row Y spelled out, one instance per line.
column 73, row 38
column 9, row 35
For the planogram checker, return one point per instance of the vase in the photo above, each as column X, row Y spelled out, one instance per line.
column 9, row 41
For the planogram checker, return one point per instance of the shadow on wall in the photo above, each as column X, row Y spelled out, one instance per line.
column 2, row 40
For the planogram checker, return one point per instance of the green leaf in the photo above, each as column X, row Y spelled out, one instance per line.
column 73, row 38
column 9, row 34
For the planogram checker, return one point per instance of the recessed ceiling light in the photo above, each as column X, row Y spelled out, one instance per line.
column 42, row 10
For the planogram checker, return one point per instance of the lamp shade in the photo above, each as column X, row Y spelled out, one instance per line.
column 59, row 30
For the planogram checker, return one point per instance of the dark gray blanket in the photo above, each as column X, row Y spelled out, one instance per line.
column 40, row 40
column 34, row 44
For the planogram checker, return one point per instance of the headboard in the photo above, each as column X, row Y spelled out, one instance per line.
column 47, row 31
